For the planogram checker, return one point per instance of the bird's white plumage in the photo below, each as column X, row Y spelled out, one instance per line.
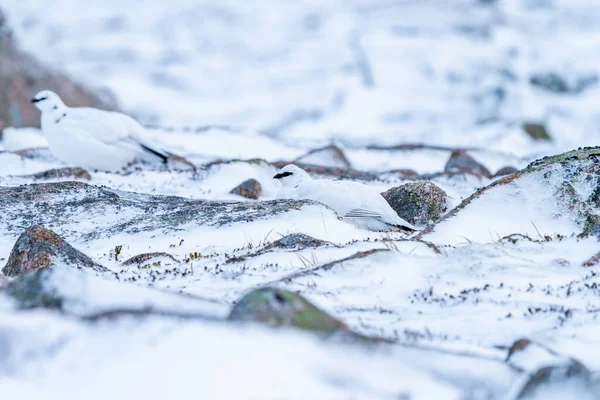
column 354, row 202
column 93, row 138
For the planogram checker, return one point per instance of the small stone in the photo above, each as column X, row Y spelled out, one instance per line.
column 505, row 171
column 417, row 203
column 249, row 189
column 460, row 161
column 38, row 248
column 536, row 131
column 278, row 307
column 298, row 240
column 68, row 172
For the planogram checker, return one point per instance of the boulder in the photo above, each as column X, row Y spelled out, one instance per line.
column 555, row 83
column 154, row 259
column 250, row 189
column 461, row 161
column 38, row 248
column 22, row 76
column 67, row 172
column 418, row 203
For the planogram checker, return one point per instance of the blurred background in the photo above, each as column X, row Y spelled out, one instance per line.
column 517, row 76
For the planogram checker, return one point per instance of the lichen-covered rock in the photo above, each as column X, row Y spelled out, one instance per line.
column 250, row 189
column 330, row 156
column 417, row 203
column 67, row 172
column 277, row 307
column 536, row 131
column 462, row 162
column 505, row 171
column 21, row 76
column 38, row 248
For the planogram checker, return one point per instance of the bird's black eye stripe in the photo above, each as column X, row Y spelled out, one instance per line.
column 34, row 100
column 283, row 175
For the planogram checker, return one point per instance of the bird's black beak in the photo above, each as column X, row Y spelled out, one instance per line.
column 34, row 100
column 283, row 175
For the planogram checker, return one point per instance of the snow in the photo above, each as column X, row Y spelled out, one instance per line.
column 273, row 80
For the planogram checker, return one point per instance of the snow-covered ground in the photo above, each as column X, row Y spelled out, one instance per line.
column 272, row 80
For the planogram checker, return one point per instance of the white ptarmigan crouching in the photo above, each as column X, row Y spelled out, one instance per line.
column 356, row 203
column 93, row 138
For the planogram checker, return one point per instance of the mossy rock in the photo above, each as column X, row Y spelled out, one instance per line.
column 278, row 307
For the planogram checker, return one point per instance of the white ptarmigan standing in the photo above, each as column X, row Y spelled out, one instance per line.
column 356, row 203
column 93, row 138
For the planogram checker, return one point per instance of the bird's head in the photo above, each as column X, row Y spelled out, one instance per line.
column 47, row 100
column 291, row 176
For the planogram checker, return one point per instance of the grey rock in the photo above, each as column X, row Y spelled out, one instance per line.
column 35, row 291
column 298, row 240
column 38, row 248
column 417, row 203
column 250, row 189
column 67, row 172
column 462, row 162
column 148, row 258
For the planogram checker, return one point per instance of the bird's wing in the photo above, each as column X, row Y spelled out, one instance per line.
column 111, row 128
column 95, row 124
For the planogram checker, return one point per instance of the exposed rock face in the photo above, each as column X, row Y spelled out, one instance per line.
column 277, row 307
column 330, row 156
column 59, row 203
column 22, row 76
column 38, row 248
column 460, row 161
column 250, row 189
column 536, row 131
column 417, row 203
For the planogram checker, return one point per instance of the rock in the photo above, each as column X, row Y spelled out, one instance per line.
column 38, row 248
column 67, row 172
column 58, row 204
column 22, row 76
column 330, row 172
column 460, row 161
column 565, row 184
column 556, row 83
column 150, row 258
column 298, row 241
column 330, row 156
column 417, row 203
column 536, row 131
column 33, row 291
column 278, row 307
column 505, row 171
column 249, row 189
